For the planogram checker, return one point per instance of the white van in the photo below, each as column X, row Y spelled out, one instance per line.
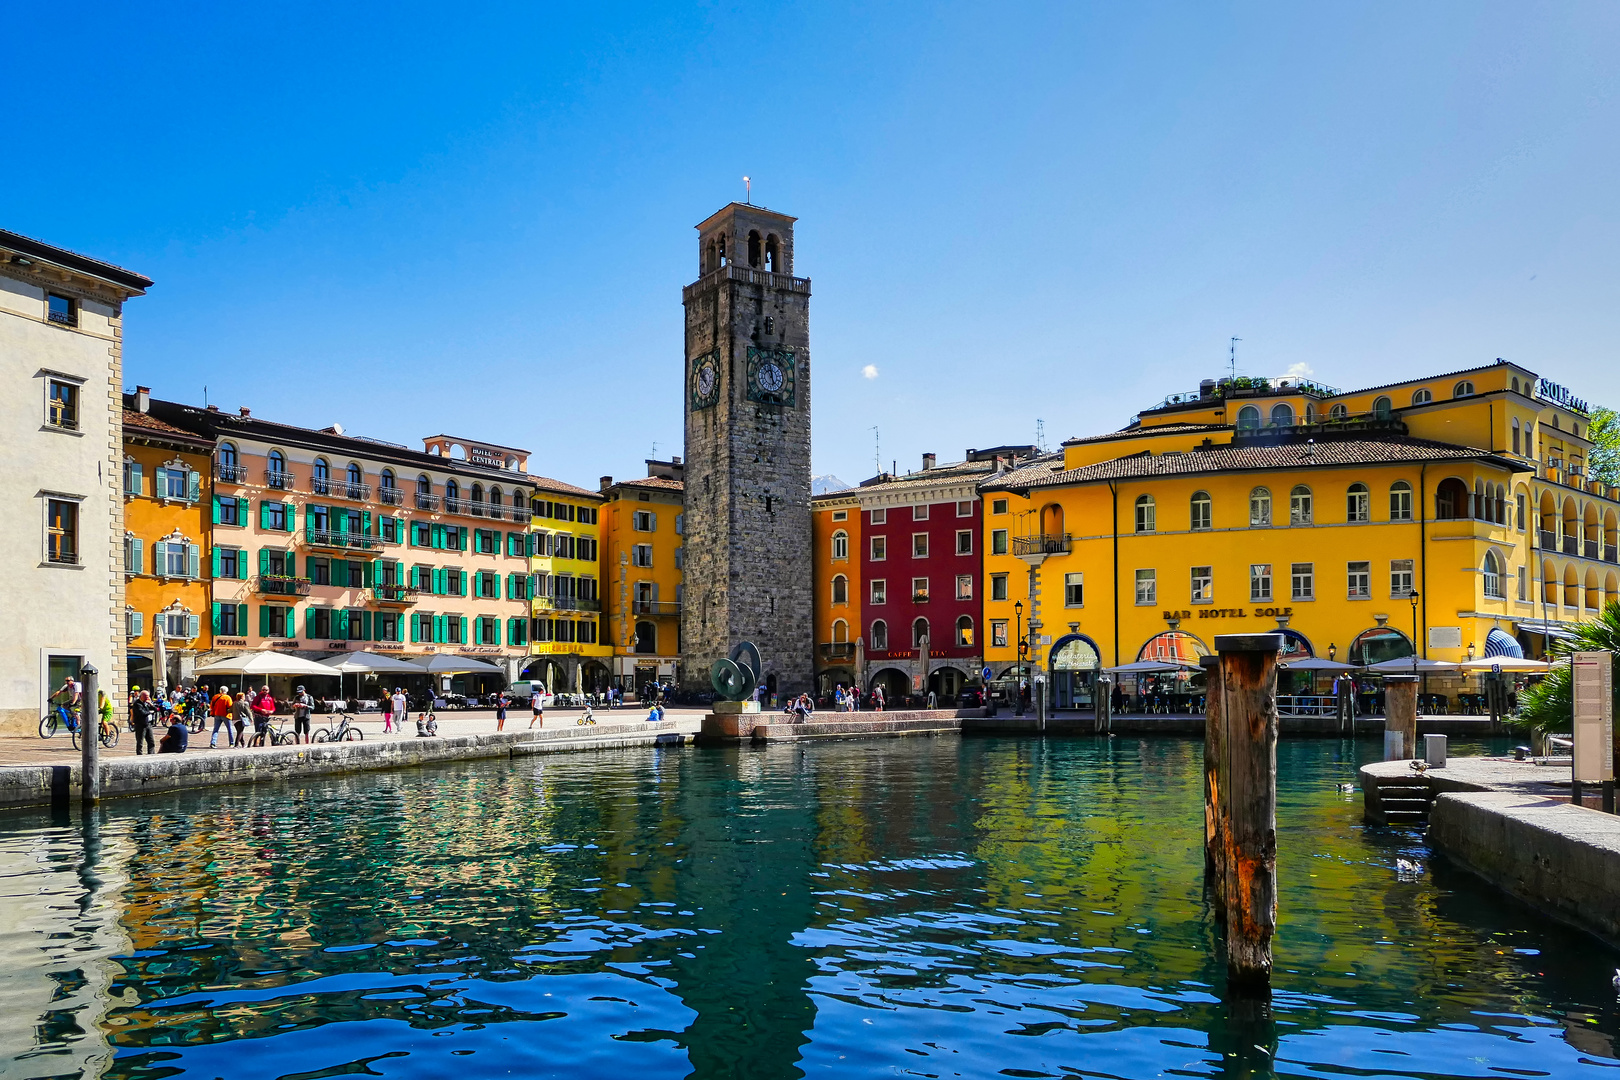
column 524, row 690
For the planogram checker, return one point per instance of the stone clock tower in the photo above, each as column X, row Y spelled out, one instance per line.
column 747, row 401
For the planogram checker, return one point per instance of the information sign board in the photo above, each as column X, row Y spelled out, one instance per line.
column 1594, row 716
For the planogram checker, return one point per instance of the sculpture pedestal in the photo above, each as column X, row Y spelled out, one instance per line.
column 732, row 708
column 731, row 720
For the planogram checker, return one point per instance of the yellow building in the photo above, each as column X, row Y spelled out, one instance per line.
column 835, row 525
column 1450, row 510
column 642, row 572
column 566, row 647
column 167, row 543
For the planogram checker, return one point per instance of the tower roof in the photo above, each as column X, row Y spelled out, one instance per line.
column 748, row 208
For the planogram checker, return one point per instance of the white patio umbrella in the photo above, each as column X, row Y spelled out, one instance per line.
column 1406, row 665
column 1507, row 663
column 1150, row 667
column 455, row 665
column 264, row 663
column 1316, row 663
column 160, row 657
column 366, row 663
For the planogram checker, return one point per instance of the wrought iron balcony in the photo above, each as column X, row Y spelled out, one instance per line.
column 391, row 496
column 282, row 480
column 655, row 607
column 394, row 594
column 457, row 506
column 233, row 474
column 281, row 585
column 522, row 517
column 1590, row 549
column 564, row 603
column 1041, row 544
column 426, row 501
column 838, row 650
column 1572, row 546
column 1610, row 554
column 339, row 539
column 1549, row 541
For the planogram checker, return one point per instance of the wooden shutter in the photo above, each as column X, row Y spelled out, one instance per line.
column 160, row 557
column 464, row 628
column 264, row 620
column 365, row 626
column 133, row 484
column 137, row 624
column 214, row 625
column 241, row 619
column 241, row 511
column 194, row 486
column 292, row 563
column 264, row 517
column 193, row 627
column 309, row 622
column 193, row 561
column 215, row 573
column 365, row 522
column 216, row 509
column 135, row 555
column 438, row 629
column 264, row 561
column 160, row 483
column 340, row 624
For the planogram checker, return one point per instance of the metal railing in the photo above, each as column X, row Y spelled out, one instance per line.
column 232, row 474
column 390, row 496
column 566, row 603
column 282, row 480
column 281, row 585
column 456, row 506
column 394, row 594
column 1549, row 541
column 1571, row 546
column 1610, row 554
column 655, row 607
column 838, row 650
column 425, row 501
column 1590, row 549
column 522, row 517
column 338, row 538
column 63, row 318
column 1041, row 544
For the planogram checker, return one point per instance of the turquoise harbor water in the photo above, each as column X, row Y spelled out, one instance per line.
column 927, row 908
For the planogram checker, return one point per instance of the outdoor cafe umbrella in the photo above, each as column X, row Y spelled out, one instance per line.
column 1150, row 667
column 1506, row 663
column 264, row 663
column 1406, row 665
column 1316, row 663
column 364, row 663
column 456, row 665
column 160, row 657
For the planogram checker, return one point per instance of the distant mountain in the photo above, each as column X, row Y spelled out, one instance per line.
column 820, row 485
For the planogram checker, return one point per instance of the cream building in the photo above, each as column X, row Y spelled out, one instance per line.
column 61, row 355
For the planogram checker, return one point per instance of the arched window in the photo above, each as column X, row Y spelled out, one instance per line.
column 1282, row 415
column 840, row 589
column 1516, row 435
column 840, row 544
column 646, row 637
column 1358, row 503
column 227, row 455
column 1383, row 408
column 880, row 635
column 478, row 498
column 770, row 325
column 840, row 631
column 1515, row 386
column 1248, row 418
column 424, row 486
column 919, row 633
column 452, row 490
column 1259, row 507
column 1339, row 412
column 964, row 630
column 1501, row 514
column 278, row 469
column 356, row 477
column 1493, row 577
column 494, row 496
column 773, row 258
column 1451, row 499
column 1400, row 501
column 753, row 248
column 1463, row 389
column 323, row 470
column 1421, row 397
column 389, row 482
column 1145, row 514
column 1203, row 510
column 1299, row 505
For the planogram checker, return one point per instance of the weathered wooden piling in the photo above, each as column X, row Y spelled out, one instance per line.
column 1214, row 788
column 1400, row 716
column 1248, row 668
column 89, row 737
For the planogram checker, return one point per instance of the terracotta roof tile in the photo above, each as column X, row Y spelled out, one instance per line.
column 135, row 419
column 662, row 482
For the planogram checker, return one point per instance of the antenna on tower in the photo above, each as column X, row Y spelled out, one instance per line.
column 1231, row 355
column 877, row 450
column 748, row 191
column 1040, row 435
column 655, row 450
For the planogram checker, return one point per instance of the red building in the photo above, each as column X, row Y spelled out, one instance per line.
column 920, row 580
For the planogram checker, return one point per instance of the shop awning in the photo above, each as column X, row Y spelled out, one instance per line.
column 1499, row 643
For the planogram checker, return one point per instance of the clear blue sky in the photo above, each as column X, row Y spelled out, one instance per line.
column 413, row 219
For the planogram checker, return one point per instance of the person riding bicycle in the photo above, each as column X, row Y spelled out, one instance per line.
column 67, row 700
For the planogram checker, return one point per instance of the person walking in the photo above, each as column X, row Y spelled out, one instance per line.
column 537, row 715
column 877, row 697
column 142, row 716
column 500, row 710
column 242, row 713
column 220, row 709
column 401, row 706
column 387, row 708
column 303, row 705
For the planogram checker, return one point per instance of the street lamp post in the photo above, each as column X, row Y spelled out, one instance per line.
column 1018, row 613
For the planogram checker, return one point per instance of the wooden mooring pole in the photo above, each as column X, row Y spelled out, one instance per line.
column 1400, row 717
column 1248, row 672
column 1214, row 789
column 89, row 736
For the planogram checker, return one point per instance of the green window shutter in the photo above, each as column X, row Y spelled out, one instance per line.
column 193, row 627
column 264, row 516
column 509, row 578
column 216, row 509
column 292, row 564
column 512, row 632
column 264, row 562
column 438, row 536
column 215, row 571
column 414, row 637
column 215, row 623
column 160, row 483
column 241, row 511
column 136, row 556
column 340, row 624
column 438, row 582
column 365, row 625
column 463, row 535
column 438, row 629
column 365, row 522
column 464, row 628
column 241, row 619
column 461, row 583
column 309, row 622
column 193, row 560
column 264, row 620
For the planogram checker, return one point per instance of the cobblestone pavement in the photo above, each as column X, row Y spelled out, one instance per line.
column 33, row 750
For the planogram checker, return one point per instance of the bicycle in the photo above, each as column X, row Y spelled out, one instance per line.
column 586, row 719
column 108, row 736
column 60, row 716
column 346, row 731
column 275, row 730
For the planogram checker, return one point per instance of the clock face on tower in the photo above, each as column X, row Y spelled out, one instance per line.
column 706, row 380
column 770, row 376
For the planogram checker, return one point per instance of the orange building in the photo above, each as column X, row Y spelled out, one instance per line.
column 835, row 522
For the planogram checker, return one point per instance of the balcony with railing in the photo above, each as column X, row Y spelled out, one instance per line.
column 281, row 585
column 1590, row 549
column 1549, row 540
column 566, row 603
column 402, row 595
column 1572, row 546
column 390, row 496
column 1611, row 554
column 230, row 473
column 282, row 480
column 426, row 501
column 340, row 540
column 1041, row 544
column 522, row 517
column 655, row 607
column 838, row 650
column 458, row 506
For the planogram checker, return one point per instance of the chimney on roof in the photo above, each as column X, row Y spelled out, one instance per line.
column 928, row 461
column 143, row 398
column 674, row 459
column 607, row 482
column 244, row 410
